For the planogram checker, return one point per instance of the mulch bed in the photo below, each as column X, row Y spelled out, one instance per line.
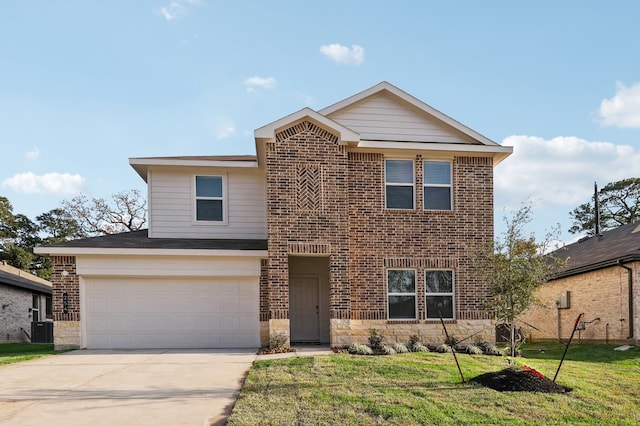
column 513, row 380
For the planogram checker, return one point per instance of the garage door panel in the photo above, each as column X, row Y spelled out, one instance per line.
column 162, row 313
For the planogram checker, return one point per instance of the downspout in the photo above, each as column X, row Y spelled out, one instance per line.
column 630, row 273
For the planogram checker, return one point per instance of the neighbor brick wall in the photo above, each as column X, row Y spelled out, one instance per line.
column 15, row 314
column 599, row 294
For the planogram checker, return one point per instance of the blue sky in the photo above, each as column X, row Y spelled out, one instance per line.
column 84, row 85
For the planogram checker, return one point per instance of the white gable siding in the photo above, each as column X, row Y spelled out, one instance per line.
column 171, row 204
column 382, row 118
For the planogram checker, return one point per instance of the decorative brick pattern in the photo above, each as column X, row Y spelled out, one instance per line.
column 309, row 187
column 306, row 127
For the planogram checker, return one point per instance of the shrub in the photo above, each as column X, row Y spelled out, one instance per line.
column 489, row 348
column 413, row 340
column 474, row 349
column 451, row 340
column 277, row 341
column 388, row 350
column 375, row 339
column 419, row 347
column 359, row 349
column 444, row 348
column 400, row 348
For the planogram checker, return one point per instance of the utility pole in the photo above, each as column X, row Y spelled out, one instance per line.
column 597, row 207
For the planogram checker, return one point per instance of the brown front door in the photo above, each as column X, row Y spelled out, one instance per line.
column 304, row 309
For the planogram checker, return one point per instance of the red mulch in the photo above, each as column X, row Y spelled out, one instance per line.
column 512, row 380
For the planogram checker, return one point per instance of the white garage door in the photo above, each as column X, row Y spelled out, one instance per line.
column 164, row 313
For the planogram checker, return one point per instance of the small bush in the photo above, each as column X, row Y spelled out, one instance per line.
column 413, row 340
column 474, row 349
column 388, row 350
column 444, row 348
column 400, row 348
column 489, row 348
column 451, row 340
column 375, row 339
column 419, row 347
column 360, row 349
column 278, row 342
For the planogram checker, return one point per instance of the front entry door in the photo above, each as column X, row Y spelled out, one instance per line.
column 304, row 309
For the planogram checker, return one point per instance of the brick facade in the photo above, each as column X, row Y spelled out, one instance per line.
column 600, row 294
column 66, row 303
column 324, row 200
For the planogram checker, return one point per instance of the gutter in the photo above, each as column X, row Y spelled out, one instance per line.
column 630, row 273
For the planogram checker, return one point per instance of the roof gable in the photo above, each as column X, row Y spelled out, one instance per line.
column 386, row 113
column 269, row 131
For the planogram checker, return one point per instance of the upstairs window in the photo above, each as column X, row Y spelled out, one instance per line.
column 439, row 294
column 437, row 185
column 209, row 198
column 401, row 285
column 399, row 184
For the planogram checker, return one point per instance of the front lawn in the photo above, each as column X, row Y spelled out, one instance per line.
column 16, row 352
column 425, row 388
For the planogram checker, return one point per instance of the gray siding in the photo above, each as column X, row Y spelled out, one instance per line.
column 171, row 204
column 382, row 118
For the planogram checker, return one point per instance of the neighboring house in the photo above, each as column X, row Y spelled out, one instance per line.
column 600, row 278
column 364, row 214
column 24, row 299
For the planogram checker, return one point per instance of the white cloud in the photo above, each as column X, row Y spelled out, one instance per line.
column 558, row 175
column 49, row 183
column 623, row 110
column 255, row 82
column 224, row 130
column 560, row 171
column 342, row 54
column 33, row 154
column 177, row 8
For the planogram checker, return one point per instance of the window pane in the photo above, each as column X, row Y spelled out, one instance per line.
column 437, row 198
column 402, row 307
column 439, row 305
column 437, row 172
column 208, row 186
column 399, row 171
column 439, row 281
column 209, row 210
column 401, row 280
column 399, row 197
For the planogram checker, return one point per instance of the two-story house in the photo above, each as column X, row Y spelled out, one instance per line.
column 365, row 214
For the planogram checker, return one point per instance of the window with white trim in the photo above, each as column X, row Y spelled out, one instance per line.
column 439, row 294
column 399, row 184
column 401, row 285
column 437, row 185
column 209, row 198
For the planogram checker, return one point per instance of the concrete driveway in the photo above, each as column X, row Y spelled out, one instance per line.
column 145, row 387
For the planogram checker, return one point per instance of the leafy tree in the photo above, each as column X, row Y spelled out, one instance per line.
column 58, row 225
column 619, row 204
column 515, row 265
column 125, row 211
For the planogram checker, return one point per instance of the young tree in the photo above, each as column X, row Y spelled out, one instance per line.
column 126, row 211
column 619, row 205
column 515, row 265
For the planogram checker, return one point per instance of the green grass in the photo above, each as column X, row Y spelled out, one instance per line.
column 425, row 388
column 16, row 352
